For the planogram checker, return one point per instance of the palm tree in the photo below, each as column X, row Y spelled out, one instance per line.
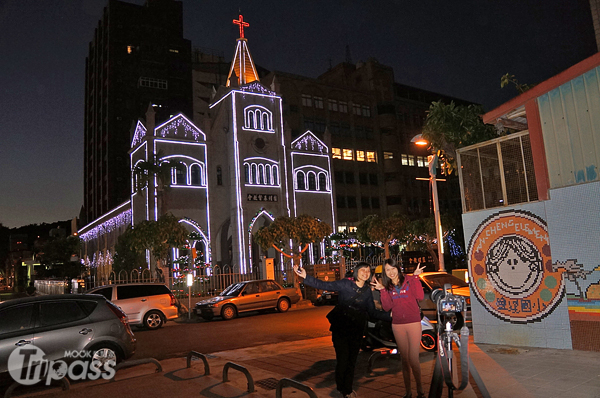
column 145, row 172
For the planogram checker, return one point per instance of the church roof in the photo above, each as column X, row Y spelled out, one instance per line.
column 308, row 142
column 242, row 69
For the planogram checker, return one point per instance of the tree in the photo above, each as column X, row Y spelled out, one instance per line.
column 145, row 171
column 126, row 258
column 376, row 229
column 57, row 255
column 521, row 87
column 159, row 237
column 422, row 235
column 301, row 231
column 450, row 126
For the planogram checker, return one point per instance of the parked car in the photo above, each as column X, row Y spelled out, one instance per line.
column 58, row 324
column 148, row 305
column 247, row 296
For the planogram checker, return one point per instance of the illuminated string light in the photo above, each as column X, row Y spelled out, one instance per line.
column 139, row 134
column 173, row 127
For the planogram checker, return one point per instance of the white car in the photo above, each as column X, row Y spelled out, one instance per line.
column 146, row 304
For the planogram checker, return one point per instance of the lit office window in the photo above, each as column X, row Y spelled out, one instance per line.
column 404, row 159
column 388, row 155
column 360, row 156
column 411, row 160
column 371, row 157
column 420, row 161
column 348, row 154
column 336, row 153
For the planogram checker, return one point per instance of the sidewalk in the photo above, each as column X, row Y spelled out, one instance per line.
column 506, row 371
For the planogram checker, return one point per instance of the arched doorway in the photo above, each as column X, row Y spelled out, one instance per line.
column 257, row 254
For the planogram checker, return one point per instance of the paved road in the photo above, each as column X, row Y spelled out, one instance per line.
column 249, row 330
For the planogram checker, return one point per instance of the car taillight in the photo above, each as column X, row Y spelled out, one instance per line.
column 117, row 311
column 173, row 299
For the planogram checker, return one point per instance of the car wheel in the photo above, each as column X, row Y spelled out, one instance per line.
column 283, row 305
column 153, row 320
column 228, row 312
column 429, row 340
column 104, row 356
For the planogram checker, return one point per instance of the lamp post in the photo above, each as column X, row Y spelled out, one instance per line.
column 432, row 164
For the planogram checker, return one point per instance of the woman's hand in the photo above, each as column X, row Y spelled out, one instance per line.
column 301, row 272
column 419, row 269
column 376, row 284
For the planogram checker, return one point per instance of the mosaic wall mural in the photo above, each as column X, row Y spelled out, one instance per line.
column 512, row 274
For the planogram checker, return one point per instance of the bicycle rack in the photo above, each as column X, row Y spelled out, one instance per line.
column 295, row 384
column 241, row 369
column 196, row 354
column 129, row 364
column 64, row 381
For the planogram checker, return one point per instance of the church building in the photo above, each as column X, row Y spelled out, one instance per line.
column 232, row 173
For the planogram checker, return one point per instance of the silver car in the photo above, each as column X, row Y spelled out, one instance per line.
column 59, row 324
column 248, row 296
column 146, row 304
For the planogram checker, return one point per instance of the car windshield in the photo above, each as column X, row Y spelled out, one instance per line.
column 233, row 290
column 439, row 280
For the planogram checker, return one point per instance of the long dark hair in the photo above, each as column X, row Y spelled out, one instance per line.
column 385, row 280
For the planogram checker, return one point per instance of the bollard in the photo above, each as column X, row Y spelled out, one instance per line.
column 129, row 364
column 201, row 356
column 295, row 384
column 64, row 381
column 241, row 369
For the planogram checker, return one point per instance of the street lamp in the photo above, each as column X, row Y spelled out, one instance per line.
column 433, row 163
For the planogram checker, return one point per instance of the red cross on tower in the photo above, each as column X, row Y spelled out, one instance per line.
column 242, row 25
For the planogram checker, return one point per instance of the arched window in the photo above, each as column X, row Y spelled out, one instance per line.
column 312, row 181
column 268, row 174
column 253, row 176
column 265, row 122
column 300, row 183
column 195, row 174
column 180, row 177
column 322, row 182
column 246, row 173
column 261, row 174
column 251, row 120
column 275, row 175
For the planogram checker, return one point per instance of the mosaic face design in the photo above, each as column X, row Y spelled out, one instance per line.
column 514, row 266
column 511, row 268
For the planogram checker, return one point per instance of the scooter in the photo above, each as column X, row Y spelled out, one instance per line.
column 379, row 334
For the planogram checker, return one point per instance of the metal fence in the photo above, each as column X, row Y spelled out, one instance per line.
column 497, row 173
column 204, row 285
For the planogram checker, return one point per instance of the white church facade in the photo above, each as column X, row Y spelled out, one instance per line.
column 237, row 170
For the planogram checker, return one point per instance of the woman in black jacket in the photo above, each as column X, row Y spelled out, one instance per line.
column 347, row 330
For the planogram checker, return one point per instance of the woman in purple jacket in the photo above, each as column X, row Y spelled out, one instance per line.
column 401, row 294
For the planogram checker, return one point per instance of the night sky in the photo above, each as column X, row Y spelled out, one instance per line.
column 458, row 48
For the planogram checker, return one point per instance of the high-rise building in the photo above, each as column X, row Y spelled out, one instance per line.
column 137, row 58
column 371, row 120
